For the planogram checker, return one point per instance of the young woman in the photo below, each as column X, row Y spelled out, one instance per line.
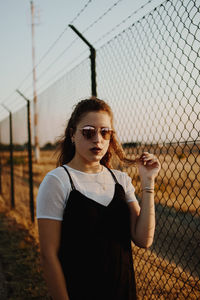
column 88, row 213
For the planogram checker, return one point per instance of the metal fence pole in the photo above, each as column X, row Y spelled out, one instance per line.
column 92, row 59
column 29, row 157
column 11, row 158
column 0, row 167
column 11, row 162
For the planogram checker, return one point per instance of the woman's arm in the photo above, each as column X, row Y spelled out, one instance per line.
column 143, row 221
column 143, row 216
column 49, row 235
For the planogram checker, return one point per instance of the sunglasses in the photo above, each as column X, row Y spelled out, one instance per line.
column 89, row 132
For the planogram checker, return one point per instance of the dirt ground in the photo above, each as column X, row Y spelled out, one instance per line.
column 19, row 253
column 157, row 277
column 21, row 272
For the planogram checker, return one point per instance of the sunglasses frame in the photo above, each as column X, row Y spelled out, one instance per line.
column 93, row 132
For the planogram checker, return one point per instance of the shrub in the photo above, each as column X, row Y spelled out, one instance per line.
column 18, row 160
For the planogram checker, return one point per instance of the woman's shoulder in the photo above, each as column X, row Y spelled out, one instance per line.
column 118, row 172
column 120, row 175
column 55, row 172
column 58, row 174
column 125, row 180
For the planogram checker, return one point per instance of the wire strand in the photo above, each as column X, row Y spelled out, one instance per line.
column 55, row 42
column 103, row 15
column 60, row 71
column 72, row 43
column 123, row 21
column 85, row 30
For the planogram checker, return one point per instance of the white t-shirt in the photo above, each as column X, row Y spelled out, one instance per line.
column 55, row 189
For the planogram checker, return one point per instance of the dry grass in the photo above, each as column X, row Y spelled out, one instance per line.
column 157, row 278
column 177, row 186
column 178, row 183
column 20, row 261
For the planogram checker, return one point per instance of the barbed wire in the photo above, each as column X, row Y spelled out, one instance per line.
column 151, row 69
column 62, row 33
column 103, row 15
column 81, row 11
column 73, row 42
column 123, row 21
column 67, row 48
column 55, row 60
column 50, row 48
column 56, row 76
column 89, row 27
column 53, row 78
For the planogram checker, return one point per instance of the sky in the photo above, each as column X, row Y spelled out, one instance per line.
column 58, row 50
column 53, row 39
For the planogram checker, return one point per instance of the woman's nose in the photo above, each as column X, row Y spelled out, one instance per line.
column 97, row 137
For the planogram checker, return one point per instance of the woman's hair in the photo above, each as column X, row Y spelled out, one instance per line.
column 67, row 149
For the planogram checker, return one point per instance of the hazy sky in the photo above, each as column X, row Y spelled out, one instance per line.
column 52, row 19
column 166, row 93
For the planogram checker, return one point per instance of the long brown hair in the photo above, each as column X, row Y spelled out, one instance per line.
column 66, row 148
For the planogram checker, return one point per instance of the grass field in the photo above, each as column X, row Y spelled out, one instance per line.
column 177, row 186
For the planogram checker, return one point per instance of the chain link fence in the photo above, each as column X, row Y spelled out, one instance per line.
column 152, row 83
column 149, row 74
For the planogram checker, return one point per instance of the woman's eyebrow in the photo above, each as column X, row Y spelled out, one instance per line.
column 89, row 126
column 95, row 126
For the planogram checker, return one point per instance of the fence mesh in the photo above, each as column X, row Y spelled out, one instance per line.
column 54, row 104
column 152, row 69
column 149, row 74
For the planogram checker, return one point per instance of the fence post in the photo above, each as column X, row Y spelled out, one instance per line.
column 11, row 158
column 11, row 162
column 29, row 157
column 0, row 176
column 92, row 59
column 0, row 164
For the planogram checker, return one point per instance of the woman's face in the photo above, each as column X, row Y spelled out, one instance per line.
column 90, row 145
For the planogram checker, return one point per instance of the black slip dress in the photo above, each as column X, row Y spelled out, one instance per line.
column 95, row 247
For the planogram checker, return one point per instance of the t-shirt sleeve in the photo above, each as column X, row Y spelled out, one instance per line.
column 51, row 198
column 129, row 189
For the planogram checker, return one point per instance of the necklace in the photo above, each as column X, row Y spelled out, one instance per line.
column 102, row 179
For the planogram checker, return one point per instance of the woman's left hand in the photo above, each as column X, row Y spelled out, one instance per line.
column 148, row 166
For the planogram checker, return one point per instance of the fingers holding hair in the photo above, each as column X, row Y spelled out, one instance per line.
column 149, row 160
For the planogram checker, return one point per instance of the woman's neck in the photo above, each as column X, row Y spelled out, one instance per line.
column 94, row 167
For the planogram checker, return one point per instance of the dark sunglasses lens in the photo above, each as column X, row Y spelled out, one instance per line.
column 88, row 133
column 106, row 134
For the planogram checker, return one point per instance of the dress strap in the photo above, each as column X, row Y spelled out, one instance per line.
column 113, row 175
column 70, row 178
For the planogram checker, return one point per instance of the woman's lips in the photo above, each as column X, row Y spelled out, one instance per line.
column 95, row 150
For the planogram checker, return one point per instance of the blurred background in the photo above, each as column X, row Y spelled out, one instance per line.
column 142, row 57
